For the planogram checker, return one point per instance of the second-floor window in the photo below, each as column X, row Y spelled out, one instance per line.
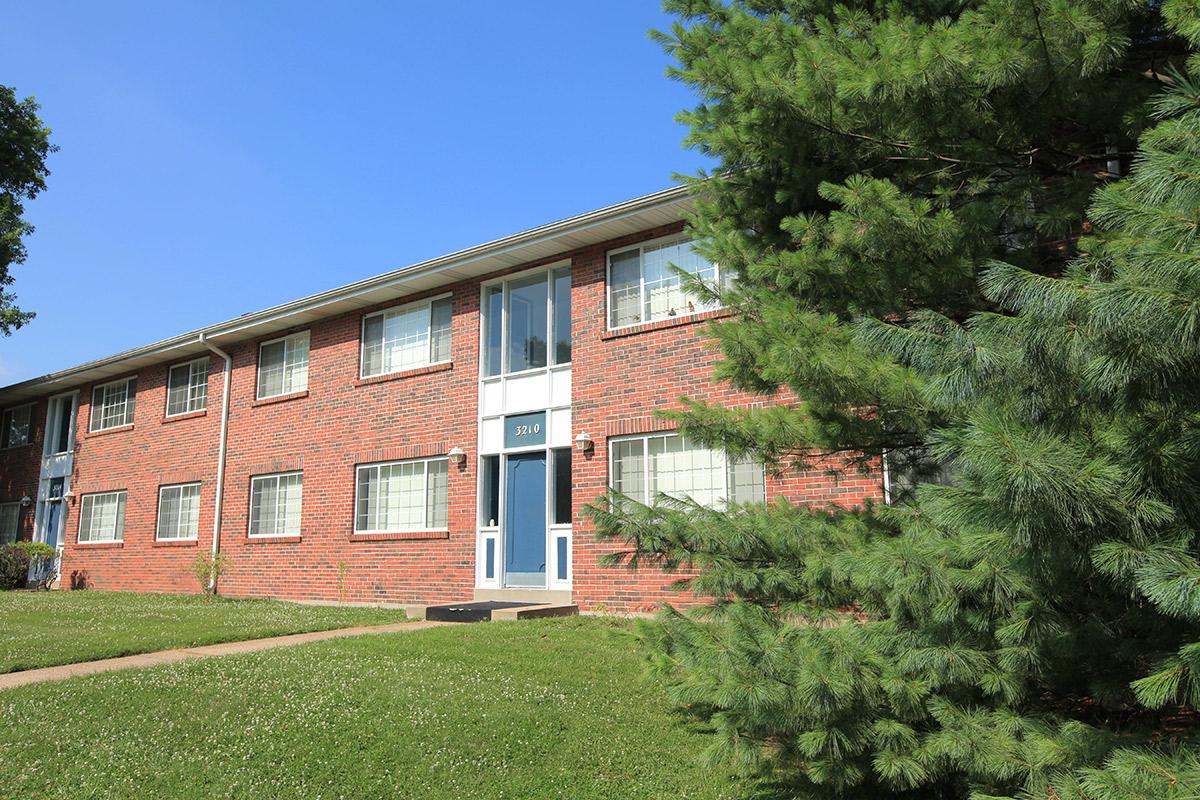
column 112, row 404
column 16, row 427
column 102, row 517
column 405, row 338
column 643, row 287
column 187, row 387
column 527, row 322
column 283, row 366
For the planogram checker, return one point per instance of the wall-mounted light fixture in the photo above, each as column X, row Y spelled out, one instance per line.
column 457, row 456
column 584, row 443
column 26, row 501
column 69, row 496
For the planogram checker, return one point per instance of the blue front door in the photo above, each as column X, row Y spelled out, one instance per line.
column 53, row 523
column 525, row 521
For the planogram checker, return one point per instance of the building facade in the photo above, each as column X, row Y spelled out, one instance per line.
column 432, row 434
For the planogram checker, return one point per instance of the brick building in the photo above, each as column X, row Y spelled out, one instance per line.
column 431, row 434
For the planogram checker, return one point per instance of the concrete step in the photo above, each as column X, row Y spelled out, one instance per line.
column 493, row 611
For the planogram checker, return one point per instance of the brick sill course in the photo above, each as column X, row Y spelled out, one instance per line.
column 189, row 415
column 108, row 431
column 408, row 373
column 669, row 322
column 282, row 398
column 398, row 536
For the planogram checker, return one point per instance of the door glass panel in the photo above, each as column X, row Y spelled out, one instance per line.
column 490, row 492
column 562, row 315
column 525, row 521
column 561, row 566
column 562, row 486
column 528, row 323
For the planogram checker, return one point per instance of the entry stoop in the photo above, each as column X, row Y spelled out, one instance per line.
column 496, row 611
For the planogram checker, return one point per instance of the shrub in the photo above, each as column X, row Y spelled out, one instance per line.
column 14, row 567
column 208, row 568
column 41, row 557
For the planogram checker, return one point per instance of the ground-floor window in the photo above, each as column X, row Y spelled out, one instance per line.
column 178, row 512
column 275, row 504
column 10, row 522
column 644, row 467
column 102, row 517
column 402, row 496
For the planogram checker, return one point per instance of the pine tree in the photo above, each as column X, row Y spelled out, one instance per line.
column 902, row 194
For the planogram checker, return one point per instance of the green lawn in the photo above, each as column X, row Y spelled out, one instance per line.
column 537, row 709
column 41, row 629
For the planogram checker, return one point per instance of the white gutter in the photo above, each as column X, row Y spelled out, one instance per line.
column 217, row 502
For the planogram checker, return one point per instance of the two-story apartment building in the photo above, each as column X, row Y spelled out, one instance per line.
column 430, row 434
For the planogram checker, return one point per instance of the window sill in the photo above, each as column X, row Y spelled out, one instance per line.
column 189, row 415
column 669, row 322
column 107, row 431
column 101, row 545
column 271, row 540
column 279, row 398
column 175, row 543
column 444, row 366
column 395, row 536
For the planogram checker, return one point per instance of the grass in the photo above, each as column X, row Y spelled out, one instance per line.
column 535, row 709
column 42, row 629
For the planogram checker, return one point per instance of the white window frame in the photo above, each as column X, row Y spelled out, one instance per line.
column 645, row 440
column 427, row 303
column 548, row 271
column 426, row 527
column 4, row 418
column 15, row 509
column 158, row 520
column 96, row 412
column 276, row 477
column 306, row 335
column 192, row 391
column 664, row 241
column 117, row 535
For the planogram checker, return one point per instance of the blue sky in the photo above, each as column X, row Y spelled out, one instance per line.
column 221, row 157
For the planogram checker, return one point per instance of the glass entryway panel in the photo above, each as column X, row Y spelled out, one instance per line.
column 528, row 323
column 525, row 521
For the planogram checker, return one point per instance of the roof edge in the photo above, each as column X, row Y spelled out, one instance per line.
column 579, row 222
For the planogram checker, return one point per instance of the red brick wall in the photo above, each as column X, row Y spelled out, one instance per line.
column 153, row 452
column 619, row 379
column 20, row 468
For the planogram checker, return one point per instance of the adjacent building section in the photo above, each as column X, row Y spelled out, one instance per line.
column 432, row 434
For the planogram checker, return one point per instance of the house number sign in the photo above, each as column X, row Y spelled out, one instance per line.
column 523, row 430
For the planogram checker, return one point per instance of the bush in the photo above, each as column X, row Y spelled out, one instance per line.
column 14, row 567
column 41, row 557
column 208, row 568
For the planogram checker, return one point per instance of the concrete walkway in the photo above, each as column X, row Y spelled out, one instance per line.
column 10, row 680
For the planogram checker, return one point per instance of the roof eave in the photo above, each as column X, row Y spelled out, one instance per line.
column 527, row 246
